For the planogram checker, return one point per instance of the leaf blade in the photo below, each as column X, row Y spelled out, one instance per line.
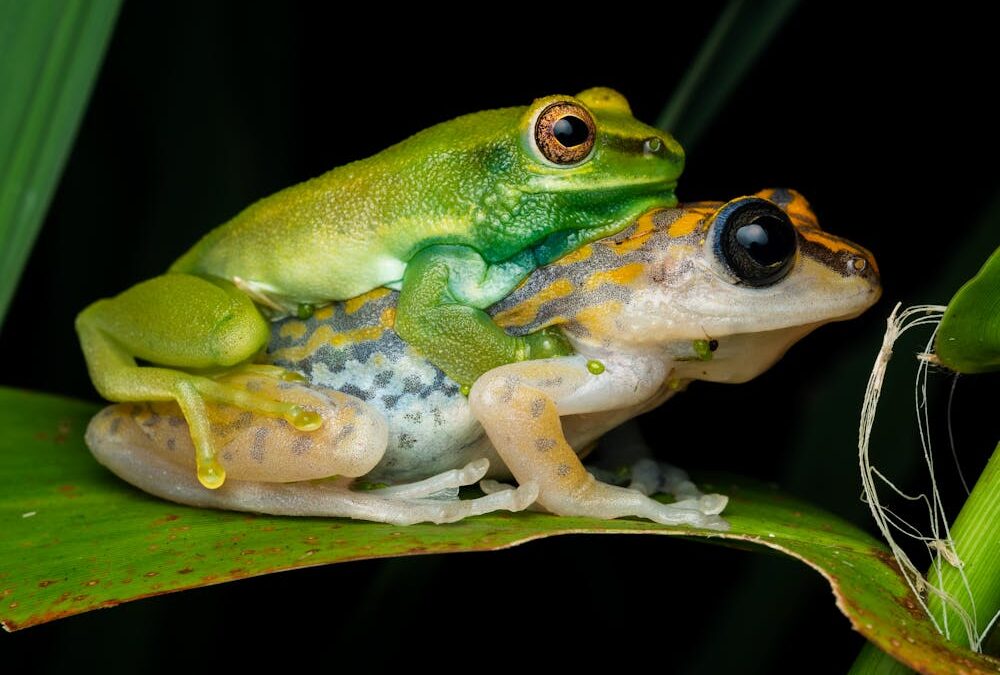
column 737, row 39
column 74, row 538
column 52, row 50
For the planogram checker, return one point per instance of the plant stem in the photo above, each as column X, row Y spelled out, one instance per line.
column 977, row 541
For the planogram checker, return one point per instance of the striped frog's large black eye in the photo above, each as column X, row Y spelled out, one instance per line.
column 564, row 133
column 755, row 240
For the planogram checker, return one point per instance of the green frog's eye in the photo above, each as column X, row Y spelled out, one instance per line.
column 564, row 133
column 754, row 239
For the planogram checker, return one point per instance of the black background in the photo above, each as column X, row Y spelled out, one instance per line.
column 880, row 120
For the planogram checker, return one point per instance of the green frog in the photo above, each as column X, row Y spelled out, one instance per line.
column 454, row 217
column 705, row 291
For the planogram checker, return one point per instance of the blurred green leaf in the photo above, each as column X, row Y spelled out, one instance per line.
column 75, row 538
column 51, row 50
column 739, row 36
column 968, row 340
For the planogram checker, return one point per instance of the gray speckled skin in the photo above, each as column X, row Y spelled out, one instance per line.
column 431, row 427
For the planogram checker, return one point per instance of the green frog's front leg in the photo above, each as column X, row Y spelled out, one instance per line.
column 440, row 312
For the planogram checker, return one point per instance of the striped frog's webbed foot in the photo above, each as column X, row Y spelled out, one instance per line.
column 651, row 477
column 519, row 406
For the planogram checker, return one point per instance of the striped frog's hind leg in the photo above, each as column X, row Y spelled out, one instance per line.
column 520, row 404
column 276, row 469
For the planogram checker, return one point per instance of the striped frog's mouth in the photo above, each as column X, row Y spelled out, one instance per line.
column 838, row 254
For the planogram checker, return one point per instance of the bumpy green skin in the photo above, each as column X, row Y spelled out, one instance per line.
column 968, row 339
column 455, row 217
column 476, row 181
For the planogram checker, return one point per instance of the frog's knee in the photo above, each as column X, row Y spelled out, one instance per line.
column 493, row 391
column 239, row 334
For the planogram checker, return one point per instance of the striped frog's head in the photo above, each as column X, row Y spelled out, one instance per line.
column 723, row 288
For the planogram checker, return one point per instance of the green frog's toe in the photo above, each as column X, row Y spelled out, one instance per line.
column 266, row 370
column 303, row 420
column 547, row 343
column 210, row 473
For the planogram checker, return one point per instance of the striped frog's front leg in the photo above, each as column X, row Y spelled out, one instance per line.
column 520, row 406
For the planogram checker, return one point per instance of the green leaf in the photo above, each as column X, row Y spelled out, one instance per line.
column 75, row 538
column 51, row 52
column 739, row 36
column 968, row 340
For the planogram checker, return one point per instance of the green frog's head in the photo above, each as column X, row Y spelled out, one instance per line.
column 591, row 144
column 551, row 176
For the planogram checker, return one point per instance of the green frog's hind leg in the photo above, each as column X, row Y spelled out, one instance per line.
column 180, row 322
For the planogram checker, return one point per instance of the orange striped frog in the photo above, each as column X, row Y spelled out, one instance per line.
column 703, row 291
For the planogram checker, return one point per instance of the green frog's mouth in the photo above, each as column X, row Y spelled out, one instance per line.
column 612, row 187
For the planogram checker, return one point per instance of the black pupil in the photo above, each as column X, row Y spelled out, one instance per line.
column 757, row 242
column 767, row 239
column 570, row 131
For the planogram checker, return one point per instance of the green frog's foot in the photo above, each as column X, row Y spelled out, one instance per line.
column 545, row 344
column 248, row 391
column 265, row 370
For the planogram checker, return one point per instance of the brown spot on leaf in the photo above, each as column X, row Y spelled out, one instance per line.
column 907, row 603
column 151, row 574
column 186, row 570
column 92, row 582
column 45, row 583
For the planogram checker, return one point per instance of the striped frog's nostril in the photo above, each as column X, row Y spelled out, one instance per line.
column 862, row 263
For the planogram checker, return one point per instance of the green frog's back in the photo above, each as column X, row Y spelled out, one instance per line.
column 498, row 181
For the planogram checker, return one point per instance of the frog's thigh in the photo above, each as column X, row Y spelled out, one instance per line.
column 518, row 406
